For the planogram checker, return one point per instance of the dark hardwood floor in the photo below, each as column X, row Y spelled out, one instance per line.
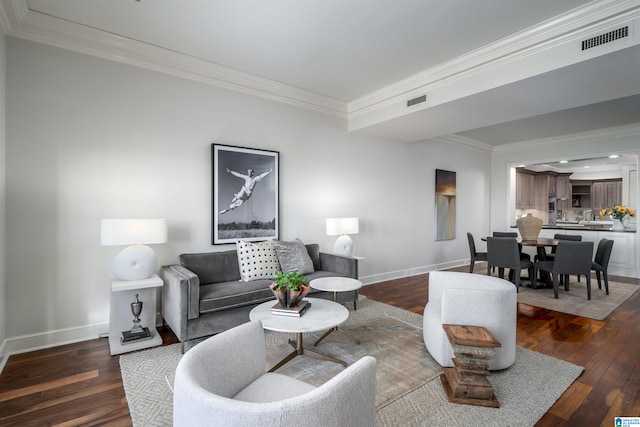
column 80, row 384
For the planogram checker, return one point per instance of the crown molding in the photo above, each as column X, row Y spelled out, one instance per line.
column 18, row 21
column 34, row 26
column 575, row 24
column 574, row 138
column 465, row 142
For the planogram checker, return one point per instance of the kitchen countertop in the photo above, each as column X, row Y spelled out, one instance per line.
column 586, row 228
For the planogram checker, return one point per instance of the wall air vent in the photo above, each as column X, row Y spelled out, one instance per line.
column 417, row 100
column 605, row 38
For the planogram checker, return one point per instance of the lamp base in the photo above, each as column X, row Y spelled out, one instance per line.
column 135, row 262
column 343, row 246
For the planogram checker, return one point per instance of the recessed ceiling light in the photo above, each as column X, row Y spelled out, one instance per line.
column 564, row 161
column 614, row 156
column 587, row 167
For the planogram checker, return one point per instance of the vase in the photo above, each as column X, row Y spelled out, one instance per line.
column 288, row 298
column 529, row 227
column 617, row 225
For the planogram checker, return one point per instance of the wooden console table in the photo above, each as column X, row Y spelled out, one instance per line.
column 467, row 381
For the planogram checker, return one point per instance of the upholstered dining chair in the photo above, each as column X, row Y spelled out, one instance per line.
column 600, row 263
column 474, row 255
column 551, row 255
column 223, row 382
column 504, row 252
column 513, row 234
column 571, row 258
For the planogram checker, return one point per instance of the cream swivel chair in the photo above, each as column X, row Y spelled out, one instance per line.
column 223, row 382
column 474, row 300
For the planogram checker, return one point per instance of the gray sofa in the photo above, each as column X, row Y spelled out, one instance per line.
column 203, row 294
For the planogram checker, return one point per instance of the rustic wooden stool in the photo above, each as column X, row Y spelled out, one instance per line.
column 467, row 381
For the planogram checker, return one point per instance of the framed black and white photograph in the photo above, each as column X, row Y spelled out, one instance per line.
column 245, row 194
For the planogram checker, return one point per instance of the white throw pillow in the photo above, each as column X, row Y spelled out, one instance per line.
column 257, row 260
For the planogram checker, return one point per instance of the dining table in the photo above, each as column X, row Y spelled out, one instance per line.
column 541, row 243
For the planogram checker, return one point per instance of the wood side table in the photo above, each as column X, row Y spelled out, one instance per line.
column 467, row 381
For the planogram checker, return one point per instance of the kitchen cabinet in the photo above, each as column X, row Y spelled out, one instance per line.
column 581, row 194
column 541, row 193
column 624, row 261
column 525, row 195
column 605, row 194
column 563, row 192
column 533, row 190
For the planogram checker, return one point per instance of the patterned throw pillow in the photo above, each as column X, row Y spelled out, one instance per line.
column 293, row 256
column 257, row 260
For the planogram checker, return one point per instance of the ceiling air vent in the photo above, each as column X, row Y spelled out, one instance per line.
column 605, row 38
column 417, row 100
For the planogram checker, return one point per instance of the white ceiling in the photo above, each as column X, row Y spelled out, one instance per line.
column 339, row 53
column 343, row 49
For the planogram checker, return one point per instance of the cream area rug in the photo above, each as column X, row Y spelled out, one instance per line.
column 575, row 300
column 407, row 378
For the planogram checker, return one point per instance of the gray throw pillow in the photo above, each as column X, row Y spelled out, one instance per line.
column 293, row 256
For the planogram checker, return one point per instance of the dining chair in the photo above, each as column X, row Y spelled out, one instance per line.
column 513, row 234
column 503, row 252
column 552, row 254
column 570, row 237
column 475, row 256
column 600, row 263
column 571, row 258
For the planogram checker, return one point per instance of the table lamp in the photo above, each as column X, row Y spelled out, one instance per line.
column 342, row 227
column 137, row 261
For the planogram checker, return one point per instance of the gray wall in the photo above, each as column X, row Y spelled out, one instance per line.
column 90, row 139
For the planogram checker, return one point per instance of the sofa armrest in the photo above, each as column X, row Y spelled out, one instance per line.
column 180, row 297
column 345, row 265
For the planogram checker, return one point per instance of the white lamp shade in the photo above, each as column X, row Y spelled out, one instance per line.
column 340, row 226
column 116, row 232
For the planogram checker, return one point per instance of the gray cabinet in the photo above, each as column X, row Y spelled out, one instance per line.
column 563, row 192
column 581, row 194
column 605, row 194
column 525, row 194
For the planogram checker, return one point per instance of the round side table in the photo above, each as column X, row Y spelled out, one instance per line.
column 335, row 285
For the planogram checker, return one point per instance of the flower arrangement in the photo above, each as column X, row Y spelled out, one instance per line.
column 618, row 212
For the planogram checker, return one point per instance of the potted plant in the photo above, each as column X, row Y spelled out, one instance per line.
column 289, row 288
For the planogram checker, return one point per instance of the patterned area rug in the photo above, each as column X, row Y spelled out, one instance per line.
column 525, row 391
column 575, row 300
column 406, row 374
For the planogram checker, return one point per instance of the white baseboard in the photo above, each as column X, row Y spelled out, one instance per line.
column 399, row 274
column 32, row 342
column 48, row 339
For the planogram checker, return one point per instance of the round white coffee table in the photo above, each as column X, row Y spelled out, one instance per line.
column 335, row 285
column 321, row 315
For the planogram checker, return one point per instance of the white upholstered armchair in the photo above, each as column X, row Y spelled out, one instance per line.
column 475, row 300
column 223, row 382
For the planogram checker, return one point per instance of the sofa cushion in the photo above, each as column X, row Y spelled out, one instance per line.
column 226, row 295
column 257, row 260
column 293, row 256
column 212, row 267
